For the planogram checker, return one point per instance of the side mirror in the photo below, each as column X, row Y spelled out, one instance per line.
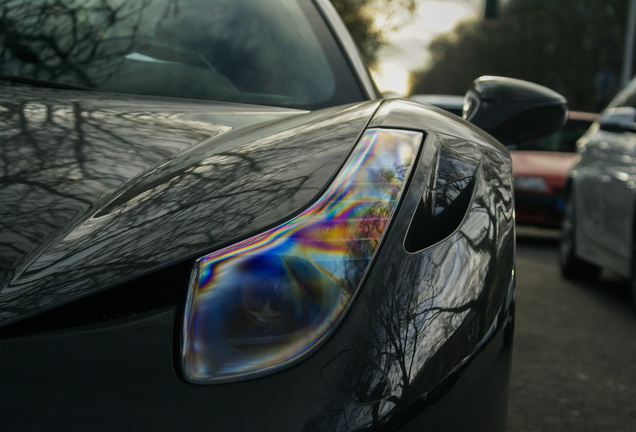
column 620, row 119
column 514, row 111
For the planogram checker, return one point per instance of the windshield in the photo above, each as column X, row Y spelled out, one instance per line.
column 275, row 52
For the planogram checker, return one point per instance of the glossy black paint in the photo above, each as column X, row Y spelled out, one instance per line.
column 514, row 111
column 143, row 183
column 108, row 199
column 430, row 328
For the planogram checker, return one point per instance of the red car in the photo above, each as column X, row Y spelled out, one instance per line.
column 540, row 170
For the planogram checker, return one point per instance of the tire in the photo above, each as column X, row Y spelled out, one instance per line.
column 573, row 267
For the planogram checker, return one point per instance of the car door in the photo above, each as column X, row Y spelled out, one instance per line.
column 590, row 180
column 619, row 183
column 606, row 186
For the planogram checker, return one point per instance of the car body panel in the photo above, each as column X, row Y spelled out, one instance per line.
column 604, row 179
column 111, row 184
column 117, row 196
column 602, row 184
column 128, row 365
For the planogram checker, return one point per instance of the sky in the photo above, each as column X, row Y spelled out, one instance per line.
column 409, row 36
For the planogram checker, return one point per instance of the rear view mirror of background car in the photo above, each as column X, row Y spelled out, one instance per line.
column 620, row 119
column 514, row 111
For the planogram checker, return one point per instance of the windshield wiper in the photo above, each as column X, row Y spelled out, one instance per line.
column 43, row 83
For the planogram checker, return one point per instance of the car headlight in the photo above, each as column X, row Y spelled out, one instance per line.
column 260, row 304
column 534, row 184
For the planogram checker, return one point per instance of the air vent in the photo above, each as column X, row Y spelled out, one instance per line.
column 156, row 291
column 444, row 205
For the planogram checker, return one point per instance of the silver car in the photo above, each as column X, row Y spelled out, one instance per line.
column 598, row 227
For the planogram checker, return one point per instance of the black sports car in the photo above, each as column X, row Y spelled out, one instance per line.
column 210, row 220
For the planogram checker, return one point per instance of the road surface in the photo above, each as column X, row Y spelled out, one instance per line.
column 574, row 361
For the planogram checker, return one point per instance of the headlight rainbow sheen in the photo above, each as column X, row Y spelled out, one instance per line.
column 262, row 303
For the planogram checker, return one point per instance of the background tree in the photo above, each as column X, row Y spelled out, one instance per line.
column 572, row 46
column 358, row 16
column 359, row 22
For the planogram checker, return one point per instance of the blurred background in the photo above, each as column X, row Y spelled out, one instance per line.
column 575, row 47
column 574, row 362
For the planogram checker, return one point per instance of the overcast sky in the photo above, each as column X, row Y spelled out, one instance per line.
column 410, row 34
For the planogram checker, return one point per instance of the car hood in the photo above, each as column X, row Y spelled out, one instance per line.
column 97, row 189
column 541, row 164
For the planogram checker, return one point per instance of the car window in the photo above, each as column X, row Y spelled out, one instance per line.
column 273, row 52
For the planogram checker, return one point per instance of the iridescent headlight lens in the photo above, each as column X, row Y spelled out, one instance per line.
column 260, row 304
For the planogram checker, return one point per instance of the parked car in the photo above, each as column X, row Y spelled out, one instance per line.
column 211, row 220
column 540, row 169
column 598, row 226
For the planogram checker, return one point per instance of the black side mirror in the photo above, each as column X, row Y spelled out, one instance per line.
column 620, row 119
column 514, row 111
